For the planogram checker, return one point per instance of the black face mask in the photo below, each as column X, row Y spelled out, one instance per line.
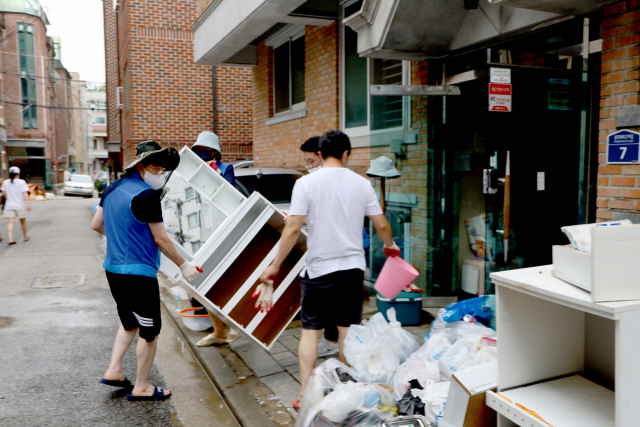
column 205, row 155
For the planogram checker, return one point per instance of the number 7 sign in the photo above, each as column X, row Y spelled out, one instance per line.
column 623, row 147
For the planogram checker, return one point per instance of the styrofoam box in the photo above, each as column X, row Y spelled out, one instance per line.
column 611, row 272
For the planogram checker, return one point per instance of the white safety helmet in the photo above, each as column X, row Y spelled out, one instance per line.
column 209, row 140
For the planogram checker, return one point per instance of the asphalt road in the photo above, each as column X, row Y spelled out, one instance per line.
column 55, row 343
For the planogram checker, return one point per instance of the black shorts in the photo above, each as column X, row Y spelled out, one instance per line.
column 332, row 299
column 138, row 301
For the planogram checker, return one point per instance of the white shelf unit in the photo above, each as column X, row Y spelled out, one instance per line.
column 561, row 355
column 235, row 255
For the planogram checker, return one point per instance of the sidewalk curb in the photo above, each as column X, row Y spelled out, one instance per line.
column 245, row 408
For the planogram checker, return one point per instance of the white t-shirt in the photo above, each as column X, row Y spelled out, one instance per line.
column 15, row 198
column 335, row 202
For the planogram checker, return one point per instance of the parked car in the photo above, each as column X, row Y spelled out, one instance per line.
column 275, row 184
column 79, row 185
column 245, row 163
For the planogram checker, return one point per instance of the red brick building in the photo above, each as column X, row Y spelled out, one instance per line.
column 163, row 95
column 29, row 84
column 572, row 71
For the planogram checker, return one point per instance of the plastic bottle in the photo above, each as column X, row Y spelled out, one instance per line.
column 176, row 299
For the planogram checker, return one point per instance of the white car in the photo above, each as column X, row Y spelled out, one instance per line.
column 79, row 185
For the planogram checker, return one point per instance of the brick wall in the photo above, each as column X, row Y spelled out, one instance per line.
column 278, row 145
column 167, row 96
column 234, row 112
column 201, row 6
column 111, row 56
column 618, row 185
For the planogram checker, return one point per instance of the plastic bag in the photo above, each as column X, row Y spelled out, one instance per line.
column 481, row 309
column 580, row 235
column 322, row 381
column 410, row 405
column 434, row 396
column 377, row 349
column 421, row 366
column 353, row 404
column 476, row 307
column 468, row 351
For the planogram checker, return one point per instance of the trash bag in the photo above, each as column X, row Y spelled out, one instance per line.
column 419, row 367
column 475, row 307
column 409, row 404
column 468, row 351
column 353, row 404
column 440, row 325
column 376, row 349
column 433, row 397
column 322, row 381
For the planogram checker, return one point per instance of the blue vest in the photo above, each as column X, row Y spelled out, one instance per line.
column 130, row 245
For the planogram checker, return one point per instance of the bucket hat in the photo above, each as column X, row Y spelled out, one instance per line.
column 209, row 140
column 383, row 167
column 168, row 157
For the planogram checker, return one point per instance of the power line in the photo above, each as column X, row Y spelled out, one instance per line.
column 51, row 106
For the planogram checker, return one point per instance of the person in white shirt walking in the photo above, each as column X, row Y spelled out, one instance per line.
column 16, row 194
column 333, row 202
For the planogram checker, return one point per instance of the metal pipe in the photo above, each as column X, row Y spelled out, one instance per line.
column 214, row 99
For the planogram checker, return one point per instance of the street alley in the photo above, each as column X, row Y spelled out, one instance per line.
column 55, row 343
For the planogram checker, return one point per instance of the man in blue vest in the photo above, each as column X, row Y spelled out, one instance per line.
column 130, row 216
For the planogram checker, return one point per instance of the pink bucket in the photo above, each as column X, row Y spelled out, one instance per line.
column 395, row 275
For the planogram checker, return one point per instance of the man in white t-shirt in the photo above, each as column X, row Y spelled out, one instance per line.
column 16, row 194
column 333, row 202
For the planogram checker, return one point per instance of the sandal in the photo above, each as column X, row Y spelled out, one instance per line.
column 157, row 395
column 296, row 404
column 211, row 340
column 117, row 383
column 27, row 239
column 12, row 243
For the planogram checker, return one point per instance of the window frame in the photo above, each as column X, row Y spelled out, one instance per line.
column 364, row 133
column 190, row 196
column 197, row 220
column 27, row 77
column 287, row 35
column 95, row 120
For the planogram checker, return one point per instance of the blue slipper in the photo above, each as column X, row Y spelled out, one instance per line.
column 158, row 394
column 117, row 383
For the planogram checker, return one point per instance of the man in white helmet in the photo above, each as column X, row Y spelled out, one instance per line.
column 207, row 147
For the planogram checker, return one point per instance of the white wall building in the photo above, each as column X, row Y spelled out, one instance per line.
column 98, row 151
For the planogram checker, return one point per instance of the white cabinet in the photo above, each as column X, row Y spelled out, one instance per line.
column 237, row 238
column 564, row 360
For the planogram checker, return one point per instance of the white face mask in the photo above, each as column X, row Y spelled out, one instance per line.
column 155, row 181
column 312, row 170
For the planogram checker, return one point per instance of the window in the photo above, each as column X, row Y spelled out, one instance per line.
column 386, row 111
column 100, row 120
column 95, row 143
column 27, row 76
column 190, row 193
column 275, row 188
column 195, row 246
column 288, row 72
column 193, row 220
column 361, row 113
column 81, row 178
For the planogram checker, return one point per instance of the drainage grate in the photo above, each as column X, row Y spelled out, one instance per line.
column 59, row 281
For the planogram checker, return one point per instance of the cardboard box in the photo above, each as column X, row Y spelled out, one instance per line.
column 466, row 401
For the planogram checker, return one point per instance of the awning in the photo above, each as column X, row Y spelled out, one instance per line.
column 421, row 29
column 227, row 31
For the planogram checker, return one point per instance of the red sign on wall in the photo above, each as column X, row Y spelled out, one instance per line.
column 499, row 97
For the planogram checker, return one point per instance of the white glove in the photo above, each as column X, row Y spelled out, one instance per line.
column 190, row 271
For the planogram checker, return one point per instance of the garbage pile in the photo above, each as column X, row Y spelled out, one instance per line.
column 391, row 375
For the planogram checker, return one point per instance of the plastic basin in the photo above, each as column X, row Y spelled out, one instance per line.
column 195, row 322
column 395, row 275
